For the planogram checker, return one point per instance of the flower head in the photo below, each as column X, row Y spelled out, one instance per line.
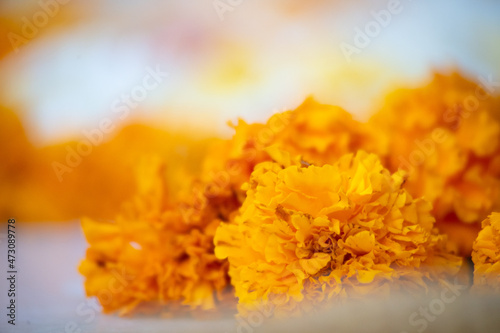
column 306, row 234
column 321, row 133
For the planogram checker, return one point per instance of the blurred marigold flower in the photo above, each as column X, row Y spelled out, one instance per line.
column 447, row 136
column 98, row 184
column 321, row 133
column 316, row 132
column 158, row 251
column 306, row 234
column 486, row 256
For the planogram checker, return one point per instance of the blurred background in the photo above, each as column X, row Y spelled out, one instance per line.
column 63, row 65
column 142, row 73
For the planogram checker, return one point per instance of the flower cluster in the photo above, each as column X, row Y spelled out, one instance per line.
column 310, row 207
column 486, row 256
column 176, row 231
column 306, row 234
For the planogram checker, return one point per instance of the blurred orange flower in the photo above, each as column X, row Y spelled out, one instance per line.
column 432, row 132
column 486, row 256
column 94, row 185
column 160, row 242
column 318, row 133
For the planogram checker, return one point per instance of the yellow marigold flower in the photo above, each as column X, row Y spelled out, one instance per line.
column 306, row 234
column 432, row 132
column 486, row 256
column 158, row 251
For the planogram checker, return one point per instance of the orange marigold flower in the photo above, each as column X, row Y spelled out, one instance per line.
column 321, row 133
column 158, row 251
column 432, row 132
column 306, row 234
column 486, row 255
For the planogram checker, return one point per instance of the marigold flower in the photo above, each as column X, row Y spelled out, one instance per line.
column 158, row 251
column 321, row 133
column 432, row 132
column 306, row 234
column 486, row 256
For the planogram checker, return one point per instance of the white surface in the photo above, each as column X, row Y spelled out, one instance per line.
column 50, row 290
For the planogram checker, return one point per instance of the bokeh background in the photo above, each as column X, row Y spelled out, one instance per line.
column 264, row 56
column 66, row 65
